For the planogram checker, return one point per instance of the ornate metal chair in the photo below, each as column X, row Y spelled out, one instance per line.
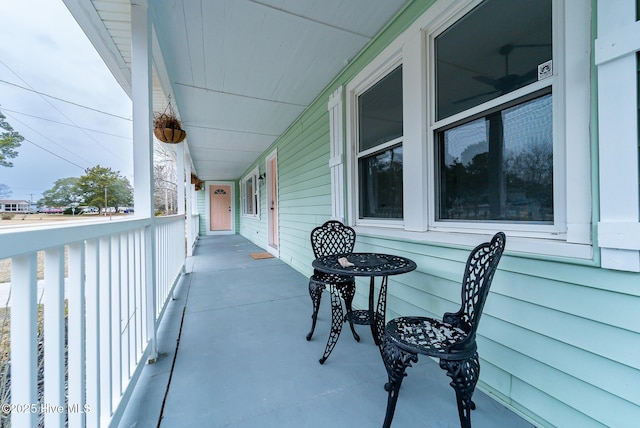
column 331, row 238
column 452, row 340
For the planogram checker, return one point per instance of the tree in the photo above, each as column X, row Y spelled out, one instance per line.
column 165, row 189
column 5, row 191
column 103, row 187
column 9, row 141
column 121, row 194
column 64, row 193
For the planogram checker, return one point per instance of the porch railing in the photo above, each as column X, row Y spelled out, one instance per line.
column 193, row 231
column 99, row 319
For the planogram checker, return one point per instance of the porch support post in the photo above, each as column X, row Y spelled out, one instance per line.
column 180, row 172
column 142, row 98
column 189, row 203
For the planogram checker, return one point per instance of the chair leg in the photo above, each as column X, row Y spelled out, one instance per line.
column 464, row 377
column 315, row 291
column 347, row 292
column 337, row 319
column 396, row 362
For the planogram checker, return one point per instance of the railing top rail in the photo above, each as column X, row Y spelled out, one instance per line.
column 169, row 218
column 24, row 240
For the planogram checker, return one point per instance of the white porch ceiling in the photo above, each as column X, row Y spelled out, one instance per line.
column 239, row 71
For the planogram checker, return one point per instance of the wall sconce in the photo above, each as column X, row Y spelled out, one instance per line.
column 261, row 177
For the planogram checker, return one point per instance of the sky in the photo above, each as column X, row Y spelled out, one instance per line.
column 56, row 91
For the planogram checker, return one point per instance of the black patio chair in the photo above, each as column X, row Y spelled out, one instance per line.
column 331, row 238
column 452, row 340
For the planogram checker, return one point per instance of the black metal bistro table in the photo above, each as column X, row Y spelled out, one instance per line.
column 361, row 264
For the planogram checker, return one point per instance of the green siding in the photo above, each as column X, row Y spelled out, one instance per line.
column 559, row 340
column 202, row 209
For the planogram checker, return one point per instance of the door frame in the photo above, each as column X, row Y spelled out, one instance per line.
column 271, row 176
column 208, row 207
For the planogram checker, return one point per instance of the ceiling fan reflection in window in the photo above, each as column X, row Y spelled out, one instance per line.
column 509, row 81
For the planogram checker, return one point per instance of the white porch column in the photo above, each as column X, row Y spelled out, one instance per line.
column 180, row 172
column 142, row 100
column 142, row 97
column 189, row 197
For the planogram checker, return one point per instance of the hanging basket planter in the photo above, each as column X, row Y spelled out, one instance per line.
column 196, row 182
column 169, row 135
column 167, row 127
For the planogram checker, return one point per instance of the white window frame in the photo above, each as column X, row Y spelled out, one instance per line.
column 558, row 229
column 353, row 156
column 570, row 236
column 615, row 56
column 253, row 177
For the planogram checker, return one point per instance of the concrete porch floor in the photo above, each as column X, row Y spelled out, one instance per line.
column 233, row 354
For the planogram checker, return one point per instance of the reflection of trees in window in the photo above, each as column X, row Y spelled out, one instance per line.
column 529, row 176
column 381, row 178
column 527, row 180
column 508, row 175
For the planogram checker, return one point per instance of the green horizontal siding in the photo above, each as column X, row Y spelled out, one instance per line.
column 202, row 209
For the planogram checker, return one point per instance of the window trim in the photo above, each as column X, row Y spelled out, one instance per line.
column 615, row 49
column 336, row 154
column 253, row 177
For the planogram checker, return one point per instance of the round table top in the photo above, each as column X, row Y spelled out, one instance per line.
column 364, row 264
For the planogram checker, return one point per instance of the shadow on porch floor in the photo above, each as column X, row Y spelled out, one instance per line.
column 243, row 361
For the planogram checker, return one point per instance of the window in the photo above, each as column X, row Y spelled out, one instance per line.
column 494, row 149
column 491, row 102
column 379, row 157
column 249, row 194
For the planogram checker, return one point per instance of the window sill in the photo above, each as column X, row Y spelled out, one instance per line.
column 530, row 247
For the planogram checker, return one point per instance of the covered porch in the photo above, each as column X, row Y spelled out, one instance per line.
column 232, row 353
column 268, row 92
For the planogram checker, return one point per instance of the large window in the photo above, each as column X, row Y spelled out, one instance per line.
column 486, row 125
column 494, row 114
column 380, row 149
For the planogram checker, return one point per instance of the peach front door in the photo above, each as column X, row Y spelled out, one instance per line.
column 220, row 207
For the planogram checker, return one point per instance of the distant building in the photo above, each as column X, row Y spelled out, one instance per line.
column 14, row 206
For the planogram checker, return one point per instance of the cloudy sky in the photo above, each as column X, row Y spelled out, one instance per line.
column 56, row 91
